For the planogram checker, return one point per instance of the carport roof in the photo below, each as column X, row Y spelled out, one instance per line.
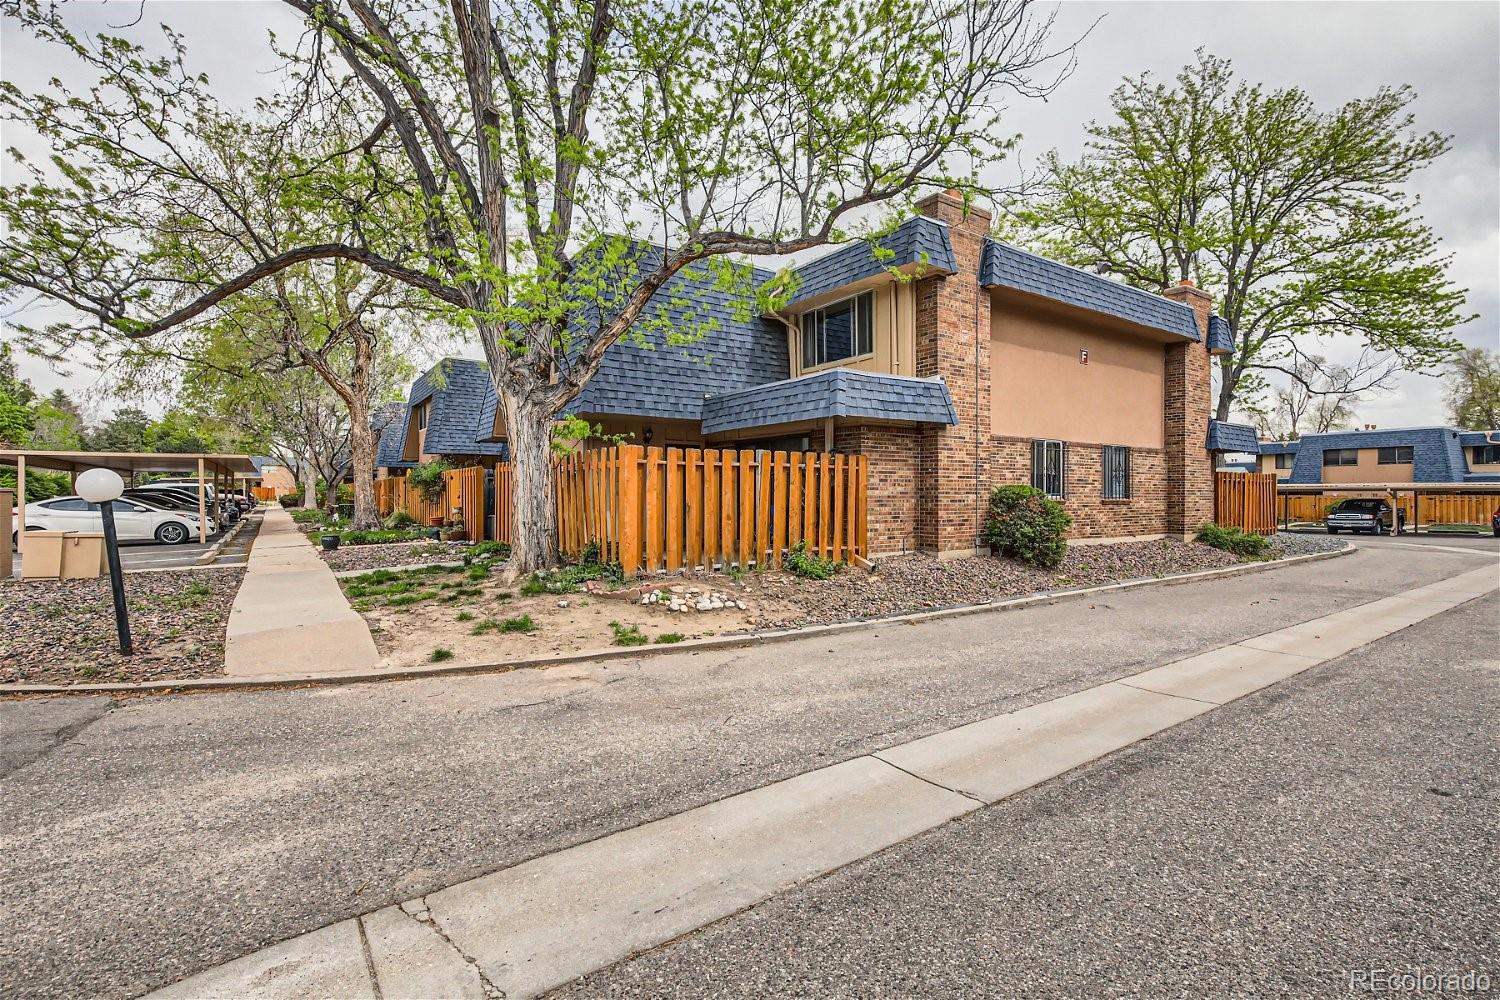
column 239, row 466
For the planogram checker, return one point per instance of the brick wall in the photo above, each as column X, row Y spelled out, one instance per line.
column 1188, row 388
column 953, row 341
column 1008, row 460
column 894, row 454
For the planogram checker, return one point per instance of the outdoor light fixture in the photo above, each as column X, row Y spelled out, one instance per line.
column 647, row 435
column 103, row 487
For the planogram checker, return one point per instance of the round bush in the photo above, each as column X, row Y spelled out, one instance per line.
column 1025, row 524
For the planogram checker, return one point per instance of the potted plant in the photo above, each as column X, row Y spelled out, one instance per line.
column 329, row 542
column 454, row 531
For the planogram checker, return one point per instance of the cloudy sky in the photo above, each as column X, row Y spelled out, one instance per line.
column 1449, row 53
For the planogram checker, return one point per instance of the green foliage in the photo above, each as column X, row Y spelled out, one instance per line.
column 374, row 537
column 440, row 655
column 1301, row 222
column 399, row 519
column 313, row 516
column 519, row 624
column 809, row 565
column 1474, row 390
column 1025, row 524
column 628, row 635
column 464, row 616
column 498, row 551
column 1232, row 539
column 667, row 638
column 428, row 478
column 569, row 578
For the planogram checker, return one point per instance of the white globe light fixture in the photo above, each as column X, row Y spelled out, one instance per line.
column 102, row 487
column 99, row 485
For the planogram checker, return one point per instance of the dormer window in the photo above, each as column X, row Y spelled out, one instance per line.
column 839, row 332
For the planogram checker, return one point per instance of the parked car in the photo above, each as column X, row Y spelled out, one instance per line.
column 1363, row 514
column 223, row 510
column 171, row 501
column 134, row 520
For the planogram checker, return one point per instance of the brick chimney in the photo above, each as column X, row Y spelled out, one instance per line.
column 953, row 341
column 1188, row 390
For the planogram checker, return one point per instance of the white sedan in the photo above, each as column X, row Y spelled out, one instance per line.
column 134, row 520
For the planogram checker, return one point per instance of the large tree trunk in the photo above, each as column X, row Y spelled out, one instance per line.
column 534, row 525
column 309, row 484
column 1227, row 383
column 362, row 444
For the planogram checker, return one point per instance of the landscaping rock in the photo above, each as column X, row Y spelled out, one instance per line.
column 392, row 554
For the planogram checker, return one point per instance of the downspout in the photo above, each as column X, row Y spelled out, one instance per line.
column 978, row 445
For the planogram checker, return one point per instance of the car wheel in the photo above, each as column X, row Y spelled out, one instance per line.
column 172, row 534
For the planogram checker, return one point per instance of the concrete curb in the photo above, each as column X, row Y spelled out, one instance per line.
column 637, row 652
column 224, row 539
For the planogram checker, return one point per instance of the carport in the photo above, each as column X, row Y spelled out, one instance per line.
column 220, row 471
column 1418, row 492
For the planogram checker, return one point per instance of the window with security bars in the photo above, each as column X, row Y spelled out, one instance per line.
column 1049, row 467
column 1116, row 473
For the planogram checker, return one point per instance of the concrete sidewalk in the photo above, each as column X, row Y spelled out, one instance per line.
column 290, row 616
column 534, row 926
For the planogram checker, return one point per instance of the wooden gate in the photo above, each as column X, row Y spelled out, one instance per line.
column 463, row 490
column 1246, row 500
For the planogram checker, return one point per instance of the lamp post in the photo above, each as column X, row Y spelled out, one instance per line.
column 103, row 487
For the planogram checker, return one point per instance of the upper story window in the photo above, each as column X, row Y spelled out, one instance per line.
column 1487, row 454
column 1341, row 456
column 1396, row 456
column 422, row 416
column 1286, row 460
column 839, row 331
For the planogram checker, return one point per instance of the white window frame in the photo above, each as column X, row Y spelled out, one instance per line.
column 1123, row 453
column 1047, row 450
column 858, row 336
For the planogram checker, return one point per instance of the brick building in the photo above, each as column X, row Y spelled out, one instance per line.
column 955, row 363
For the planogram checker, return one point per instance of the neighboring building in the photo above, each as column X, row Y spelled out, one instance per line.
column 1395, row 456
column 274, row 476
column 389, row 423
column 979, row 365
column 441, row 421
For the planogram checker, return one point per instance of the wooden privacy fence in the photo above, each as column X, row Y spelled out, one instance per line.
column 674, row 508
column 263, row 493
column 462, row 488
column 1429, row 508
column 1246, row 500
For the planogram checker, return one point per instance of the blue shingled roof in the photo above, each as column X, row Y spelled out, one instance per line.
column 1436, row 454
column 456, row 387
column 918, row 240
column 1224, row 436
column 838, row 392
column 1005, row 266
column 1478, row 439
column 1276, row 448
column 391, row 424
column 1220, row 337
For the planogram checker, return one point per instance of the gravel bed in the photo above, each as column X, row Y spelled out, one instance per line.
column 63, row 631
column 1291, row 544
column 916, row 582
column 349, row 557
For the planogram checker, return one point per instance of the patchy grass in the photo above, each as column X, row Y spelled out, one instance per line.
column 464, row 616
column 628, row 635
column 521, row 623
column 667, row 638
column 439, row 655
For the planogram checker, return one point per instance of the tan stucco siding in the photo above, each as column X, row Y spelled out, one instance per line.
column 1041, row 390
column 895, row 341
column 1267, row 463
column 1369, row 470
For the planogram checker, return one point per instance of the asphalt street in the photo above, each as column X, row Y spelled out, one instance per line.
column 1340, row 823
column 146, row 839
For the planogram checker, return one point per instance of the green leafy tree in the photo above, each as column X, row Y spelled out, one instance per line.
column 1296, row 219
column 127, row 429
column 558, row 165
column 1473, row 380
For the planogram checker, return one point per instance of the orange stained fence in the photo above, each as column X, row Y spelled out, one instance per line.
column 1424, row 508
column 267, row 493
column 684, row 508
column 1246, row 500
column 463, row 489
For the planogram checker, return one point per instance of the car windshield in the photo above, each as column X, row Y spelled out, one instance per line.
column 1360, row 506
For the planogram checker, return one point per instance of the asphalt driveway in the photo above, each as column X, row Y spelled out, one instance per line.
column 147, row 839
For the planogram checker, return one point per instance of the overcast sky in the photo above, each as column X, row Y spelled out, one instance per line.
column 1449, row 53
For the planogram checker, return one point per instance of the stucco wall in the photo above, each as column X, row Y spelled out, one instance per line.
column 1041, row 390
column 1369, row 470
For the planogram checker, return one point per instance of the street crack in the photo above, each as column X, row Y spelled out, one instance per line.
column 424, row 916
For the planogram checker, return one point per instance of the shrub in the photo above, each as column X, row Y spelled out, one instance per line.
column 440, row 654
column 309, row 516
column 372, row 537
column 399, row 519
column 1230, row 539
column 809, row 565
column 286, row 499
column 628, row 635
column 1026, row 524
column 670, row 637
column 429, row 480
